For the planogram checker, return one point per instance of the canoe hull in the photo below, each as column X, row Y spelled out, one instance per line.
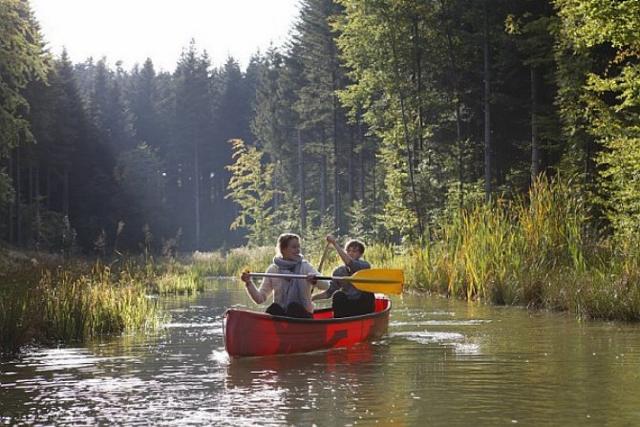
column 249, row 333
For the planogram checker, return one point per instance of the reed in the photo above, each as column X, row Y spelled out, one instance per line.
column 74, row 302
column 505, row 251
column 77, row 307
column 187, row 282
column 231, row 263
column 14, row 319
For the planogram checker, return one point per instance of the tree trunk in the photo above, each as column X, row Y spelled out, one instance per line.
column 323, row 184
column 535, row 149
column 362, row 175
column 374, row 187
column 197, row 192
column 65, row 191
column 361, row 137
column 456, row 95
column 336, row 174
column 18, row 188
column 460, row 155
column 11, row 203
column 301, row 185
column 276, row 184
column 350, row 171
column 30, row 182
column 38, row 231
column 419, row 143
column 48, row 187
column 409, row 144
column 487, row 108
column 30, row 198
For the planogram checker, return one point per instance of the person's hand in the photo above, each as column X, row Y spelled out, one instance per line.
column 331, row 239
column 312, row 278
column 245, row 277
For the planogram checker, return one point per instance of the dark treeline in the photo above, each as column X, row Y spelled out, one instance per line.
column 111, row 159
column 376, row 118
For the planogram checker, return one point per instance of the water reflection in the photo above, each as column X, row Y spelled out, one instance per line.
column 443, row 363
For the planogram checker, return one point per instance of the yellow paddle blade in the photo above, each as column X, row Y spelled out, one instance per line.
column 381, row 280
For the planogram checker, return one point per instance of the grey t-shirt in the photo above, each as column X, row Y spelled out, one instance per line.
column 347, row 270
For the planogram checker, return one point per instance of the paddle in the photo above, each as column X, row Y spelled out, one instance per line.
column 324, row 255
column 382, row 280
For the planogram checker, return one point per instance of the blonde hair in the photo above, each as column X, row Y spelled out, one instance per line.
column 283, row 241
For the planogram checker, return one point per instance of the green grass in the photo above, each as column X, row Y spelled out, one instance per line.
column 536, row 252
column 231, row 263
column 78, row 307
column 77, row 301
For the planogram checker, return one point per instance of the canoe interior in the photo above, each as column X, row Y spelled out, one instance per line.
column 249, row 333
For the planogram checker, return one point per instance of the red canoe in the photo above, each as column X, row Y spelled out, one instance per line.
column 248, row 333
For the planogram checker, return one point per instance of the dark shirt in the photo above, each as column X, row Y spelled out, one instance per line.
column 347, row 270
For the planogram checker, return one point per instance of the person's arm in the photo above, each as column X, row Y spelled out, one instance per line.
column 258, row 295
column 343, row 255
column 311, row 272
column 333, row 287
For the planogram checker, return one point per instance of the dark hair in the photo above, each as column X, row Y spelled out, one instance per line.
column 283, row 241
column 355, row 243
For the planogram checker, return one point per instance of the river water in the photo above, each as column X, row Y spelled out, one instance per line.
column 442, row 362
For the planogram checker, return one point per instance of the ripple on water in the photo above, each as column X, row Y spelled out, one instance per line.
column 466, row 348
column 424, row 337
column 470, row 322
column 220, row 356
column 65, row 358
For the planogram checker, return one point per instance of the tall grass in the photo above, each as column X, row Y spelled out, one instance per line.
column 179, row 281
column 78, row 301
column 231, row 263
column 536, row 251
column 80, row 307
column 503, row 251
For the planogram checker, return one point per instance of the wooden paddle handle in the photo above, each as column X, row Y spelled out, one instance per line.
column 324, row 255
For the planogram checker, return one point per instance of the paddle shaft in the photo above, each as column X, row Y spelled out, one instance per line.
column 324, row 255
column 303, row 276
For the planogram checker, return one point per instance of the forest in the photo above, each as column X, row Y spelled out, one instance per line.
column 402, row 122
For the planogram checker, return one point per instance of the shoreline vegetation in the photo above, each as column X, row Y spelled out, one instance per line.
column 538, row 252
column 45, row 299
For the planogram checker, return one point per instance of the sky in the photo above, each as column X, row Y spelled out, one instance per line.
column 132, row 30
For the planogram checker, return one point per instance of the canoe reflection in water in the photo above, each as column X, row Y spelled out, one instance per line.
column 248, row 372
column 249, row 333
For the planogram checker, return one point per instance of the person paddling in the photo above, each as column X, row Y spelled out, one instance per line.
column 291, row 297
column 347, row 300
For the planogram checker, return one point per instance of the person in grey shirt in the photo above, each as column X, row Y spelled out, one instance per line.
column 347, row 300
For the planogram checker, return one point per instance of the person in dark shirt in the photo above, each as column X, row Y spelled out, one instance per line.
column 347, row 300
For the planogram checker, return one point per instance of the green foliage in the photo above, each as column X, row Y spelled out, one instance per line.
column 360, row 221
column 250, row 187
column 6, row 190
column 21, row 60
column 314, row 237
column 611, row 97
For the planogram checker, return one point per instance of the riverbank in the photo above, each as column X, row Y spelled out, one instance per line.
column 538, row 252
column 45, row 299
